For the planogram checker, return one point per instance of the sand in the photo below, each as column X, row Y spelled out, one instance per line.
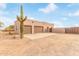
column 41, row 44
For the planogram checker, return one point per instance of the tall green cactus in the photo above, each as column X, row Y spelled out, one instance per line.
column 21, row 19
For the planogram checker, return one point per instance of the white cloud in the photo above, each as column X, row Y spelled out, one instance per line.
column 76, row 25
column 3, row 5
column 49, row 8
column 30, row 18
column 58, row 24
column 76, row 13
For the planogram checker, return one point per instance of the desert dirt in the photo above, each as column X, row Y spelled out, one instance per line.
column 40, row 44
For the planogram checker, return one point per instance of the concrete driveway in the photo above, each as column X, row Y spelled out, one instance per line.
column 38, row 35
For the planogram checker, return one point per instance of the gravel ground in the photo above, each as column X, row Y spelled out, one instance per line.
column 44, row 44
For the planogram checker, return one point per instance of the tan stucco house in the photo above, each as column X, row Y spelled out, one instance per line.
column 32, row 26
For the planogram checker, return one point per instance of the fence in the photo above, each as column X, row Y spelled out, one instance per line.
column 74, row 30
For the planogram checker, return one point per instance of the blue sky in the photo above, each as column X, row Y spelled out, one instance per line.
column 60, row 14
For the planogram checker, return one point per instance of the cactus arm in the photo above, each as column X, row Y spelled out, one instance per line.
column 18, row 18
column 24, row 18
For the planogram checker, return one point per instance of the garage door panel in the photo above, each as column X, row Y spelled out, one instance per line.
column 38, row 29
column 27, row 29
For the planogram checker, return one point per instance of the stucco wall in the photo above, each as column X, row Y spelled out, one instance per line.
column 58, row 30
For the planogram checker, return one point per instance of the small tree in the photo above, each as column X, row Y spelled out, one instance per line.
column 21, row 19
column 9, row 28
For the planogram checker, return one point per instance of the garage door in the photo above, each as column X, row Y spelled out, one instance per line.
column 27, row 29
column 38, row 29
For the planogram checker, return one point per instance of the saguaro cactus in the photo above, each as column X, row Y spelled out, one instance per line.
column 21, row 20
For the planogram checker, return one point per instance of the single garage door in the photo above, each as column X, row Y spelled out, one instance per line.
column 27, row 29
column 38, row 29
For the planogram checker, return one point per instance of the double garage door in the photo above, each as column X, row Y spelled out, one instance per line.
column 28, row 29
